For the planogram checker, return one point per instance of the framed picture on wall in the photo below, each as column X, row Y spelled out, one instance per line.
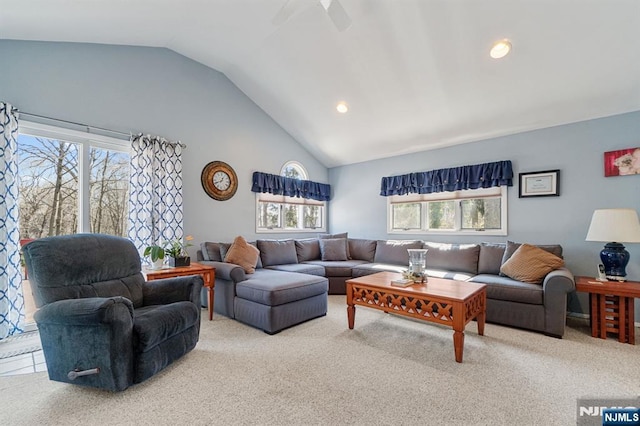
column 622, row 162
column 539, row 184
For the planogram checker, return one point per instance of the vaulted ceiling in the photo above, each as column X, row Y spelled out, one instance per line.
column 416, row 74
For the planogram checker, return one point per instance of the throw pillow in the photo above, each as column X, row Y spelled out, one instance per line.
column 344, row 235
column 530, row 264
column 333, row 248
column 512, row 247
column 277, row 252
column 243, row 254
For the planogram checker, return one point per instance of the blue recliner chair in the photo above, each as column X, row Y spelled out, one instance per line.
column 100, row 323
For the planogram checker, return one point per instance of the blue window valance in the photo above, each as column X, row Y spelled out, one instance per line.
column 475, row 176
column 280, row 185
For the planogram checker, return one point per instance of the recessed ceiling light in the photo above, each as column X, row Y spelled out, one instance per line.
column 500, row 49
column 342, row 107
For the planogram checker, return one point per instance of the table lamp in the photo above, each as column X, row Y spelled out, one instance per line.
column 614, row 226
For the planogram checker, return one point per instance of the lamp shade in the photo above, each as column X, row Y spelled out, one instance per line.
column 617, row 225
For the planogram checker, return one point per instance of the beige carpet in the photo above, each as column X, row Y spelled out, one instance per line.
column 388, row 370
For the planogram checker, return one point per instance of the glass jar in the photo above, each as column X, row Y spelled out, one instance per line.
column 418, row 265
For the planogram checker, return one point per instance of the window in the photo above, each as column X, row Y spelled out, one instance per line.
column 294, row 170
column 466, row 212
column 279, row 213
column 71, row 182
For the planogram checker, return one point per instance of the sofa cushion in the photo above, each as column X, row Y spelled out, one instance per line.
column 224, row 247
column 453, row 257
column 395, row 251
column 344, row 235
column 243, row 254
column 372, row 268
column 259, row 263
column 530, row 264
column 360, row 249
column 512, row 247
column 333, row 248
column 307, row 249
column 274, row 288
column 490, row 258
column 510, row 290
column 277, row 252
column 450, row 275
column 157, row 323
column 336, row 268
column 303, row 268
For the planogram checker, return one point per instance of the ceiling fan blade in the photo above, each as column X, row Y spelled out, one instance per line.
column 285, row 12
column 338, row 15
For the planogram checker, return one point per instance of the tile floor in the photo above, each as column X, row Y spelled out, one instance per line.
column 26, row 363
column 23, row 364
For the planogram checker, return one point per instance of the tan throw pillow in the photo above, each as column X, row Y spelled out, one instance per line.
column 243, row 254
column 530, row 264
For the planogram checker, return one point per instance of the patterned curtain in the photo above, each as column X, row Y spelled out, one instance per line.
column 155, row 202
column 11, row 299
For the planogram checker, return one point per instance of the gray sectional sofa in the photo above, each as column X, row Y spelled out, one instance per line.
column 291, row 280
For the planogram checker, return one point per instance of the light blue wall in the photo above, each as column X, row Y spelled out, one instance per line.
column 575, row 149
column 157, row 91
column 160, row 92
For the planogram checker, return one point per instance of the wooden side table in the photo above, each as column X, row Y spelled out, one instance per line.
column 611, row 306
column 208, row 274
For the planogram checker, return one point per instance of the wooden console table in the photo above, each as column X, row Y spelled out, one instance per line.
column 208, row 274
column 611, row 307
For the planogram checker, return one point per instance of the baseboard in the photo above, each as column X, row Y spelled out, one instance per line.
column 578, row 315
column 30, row 326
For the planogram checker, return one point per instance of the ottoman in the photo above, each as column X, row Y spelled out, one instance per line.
column 274, row 300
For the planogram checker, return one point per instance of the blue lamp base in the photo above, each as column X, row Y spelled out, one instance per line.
column 615, row 259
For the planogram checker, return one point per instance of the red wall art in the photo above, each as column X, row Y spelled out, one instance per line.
column 622, row 162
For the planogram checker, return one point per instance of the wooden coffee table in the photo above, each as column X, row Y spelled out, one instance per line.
column 449, row 302
column 208, row 274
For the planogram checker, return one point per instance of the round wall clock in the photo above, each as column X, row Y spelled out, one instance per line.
column 219, row 180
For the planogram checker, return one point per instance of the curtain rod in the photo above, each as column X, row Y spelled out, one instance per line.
column 74, row 123
column 88, row 127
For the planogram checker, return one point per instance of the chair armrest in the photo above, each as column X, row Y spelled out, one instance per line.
column 93, row 333
column 170, row 290
column 227, row 271
column 86, row 311
column 559, row 281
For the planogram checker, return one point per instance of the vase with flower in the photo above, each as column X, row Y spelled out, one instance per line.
column 177, row 251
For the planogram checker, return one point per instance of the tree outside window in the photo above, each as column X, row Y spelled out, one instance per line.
column 49, row 181
column 289, row 214
column 456, row 212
